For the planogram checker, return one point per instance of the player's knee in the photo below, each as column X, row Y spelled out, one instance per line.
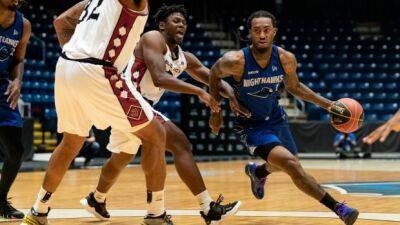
column 180, row 145
column 158, row 135
column 70, row 148
column 121, row 160
column 294, row 169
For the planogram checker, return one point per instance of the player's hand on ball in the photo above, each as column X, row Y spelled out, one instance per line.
column 383, row 131
column 215, row 122
column 209, row 101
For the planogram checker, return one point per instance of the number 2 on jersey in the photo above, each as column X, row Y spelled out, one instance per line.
column 92, row 15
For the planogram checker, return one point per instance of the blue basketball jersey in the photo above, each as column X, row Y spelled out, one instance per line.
column 258, row 90
column 9, row 40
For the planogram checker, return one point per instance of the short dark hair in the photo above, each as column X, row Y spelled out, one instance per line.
column 166, row 10
column 260, row 14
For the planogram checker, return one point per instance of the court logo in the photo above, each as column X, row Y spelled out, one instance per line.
column 388, row 189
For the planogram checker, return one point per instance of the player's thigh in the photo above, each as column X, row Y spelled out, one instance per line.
column 153, row 133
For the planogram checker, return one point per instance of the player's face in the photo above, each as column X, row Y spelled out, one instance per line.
column 10, row 4
column 175, row 27
column 262, row 33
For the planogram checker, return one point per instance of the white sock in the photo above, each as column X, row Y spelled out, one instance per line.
column 156, row 205
column 42, row 203
column 204, row 199
column 100, row 197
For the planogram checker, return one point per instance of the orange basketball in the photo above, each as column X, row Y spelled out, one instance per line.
column 346, row 115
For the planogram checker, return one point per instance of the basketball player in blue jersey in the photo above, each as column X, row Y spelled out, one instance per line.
column 257, row 71
column 15, row 31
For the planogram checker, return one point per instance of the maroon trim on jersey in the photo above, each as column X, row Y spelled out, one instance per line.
column 131, row 106
column 120, row 35
column 138, row 66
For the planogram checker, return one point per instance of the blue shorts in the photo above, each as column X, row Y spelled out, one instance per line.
column 8, row 116
column 263, row 133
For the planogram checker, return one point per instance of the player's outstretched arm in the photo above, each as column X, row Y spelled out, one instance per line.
column 17, row 69
column 153, row 45
column 201, row 73
column 294, row 86
column 65, row 23
column 383, row 131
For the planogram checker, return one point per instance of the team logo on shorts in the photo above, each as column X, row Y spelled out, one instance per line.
column 134, row 112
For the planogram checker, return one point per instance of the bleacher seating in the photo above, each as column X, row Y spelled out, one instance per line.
column 333, row 59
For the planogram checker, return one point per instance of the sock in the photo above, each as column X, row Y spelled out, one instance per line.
column 42, row 203
column 261, row 171
column 155, row 203
column 329, row 202
column 204, row 199
column 100, row 197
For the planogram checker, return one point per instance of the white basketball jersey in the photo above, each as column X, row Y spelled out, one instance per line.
column 141, row 77
column 107, row 30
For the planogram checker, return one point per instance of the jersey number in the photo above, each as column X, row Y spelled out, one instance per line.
column 93, row 14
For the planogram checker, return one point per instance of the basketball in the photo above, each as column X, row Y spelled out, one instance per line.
column 346, row 115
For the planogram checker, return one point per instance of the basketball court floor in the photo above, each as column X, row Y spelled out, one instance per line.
column 372, row 186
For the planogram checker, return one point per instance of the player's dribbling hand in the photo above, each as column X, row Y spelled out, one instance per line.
column 215, row 122
column 209, row 101
column 13, row 91
column 237, row 108
column 383, row 131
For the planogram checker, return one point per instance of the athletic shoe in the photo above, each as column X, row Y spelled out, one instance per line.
column 7, row 211
column 347, row 214
column 218, row 212
column 35, row 218
column 99, row 210
column 257, row 184
column 164, row 219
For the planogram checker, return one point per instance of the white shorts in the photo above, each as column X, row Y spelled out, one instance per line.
column 127, row 142
column 87, row 95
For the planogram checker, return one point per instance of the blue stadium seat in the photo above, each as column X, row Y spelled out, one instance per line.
column 391, row 86
column 371, row 117
column 377, row 86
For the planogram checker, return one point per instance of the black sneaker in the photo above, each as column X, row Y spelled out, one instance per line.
column 218, row 212
column 164, row 219
column 99, row 210
column 7, row 211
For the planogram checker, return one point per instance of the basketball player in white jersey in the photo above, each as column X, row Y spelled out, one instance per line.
column 90, row 91
column 157, row 62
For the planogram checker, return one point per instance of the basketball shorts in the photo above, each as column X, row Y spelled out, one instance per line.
column 8, row 117
column 263, row 133
column 128, row 142
column 88, row 94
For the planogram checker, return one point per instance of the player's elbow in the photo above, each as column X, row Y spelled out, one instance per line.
column 58, row 23
column 159, row 81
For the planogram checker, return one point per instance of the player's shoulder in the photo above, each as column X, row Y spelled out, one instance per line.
column 233, row 57
column 26, row 22
column 286, row 56
column 154, row 38
column 153, row 34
